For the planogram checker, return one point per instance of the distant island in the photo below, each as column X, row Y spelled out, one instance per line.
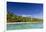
column 15, row 18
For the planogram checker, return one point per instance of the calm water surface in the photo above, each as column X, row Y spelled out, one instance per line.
column 24, row 26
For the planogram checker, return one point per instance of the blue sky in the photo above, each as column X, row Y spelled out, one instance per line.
column 24, row 9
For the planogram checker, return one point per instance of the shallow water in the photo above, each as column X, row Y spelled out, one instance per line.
column 24, row 26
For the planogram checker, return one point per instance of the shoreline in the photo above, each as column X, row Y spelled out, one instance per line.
column 23, row 22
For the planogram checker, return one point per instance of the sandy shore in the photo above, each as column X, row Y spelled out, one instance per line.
column 22, row 22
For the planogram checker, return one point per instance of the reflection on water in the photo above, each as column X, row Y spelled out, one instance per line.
column 24, row 26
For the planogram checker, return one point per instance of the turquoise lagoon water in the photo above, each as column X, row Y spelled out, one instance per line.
column 24, row 26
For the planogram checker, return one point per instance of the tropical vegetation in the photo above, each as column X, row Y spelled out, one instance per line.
column 15, row 18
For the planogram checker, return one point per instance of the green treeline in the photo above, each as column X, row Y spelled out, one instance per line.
column 15, row 18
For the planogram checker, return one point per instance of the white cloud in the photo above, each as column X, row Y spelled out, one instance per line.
column 26, row 15
column 33, row 16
